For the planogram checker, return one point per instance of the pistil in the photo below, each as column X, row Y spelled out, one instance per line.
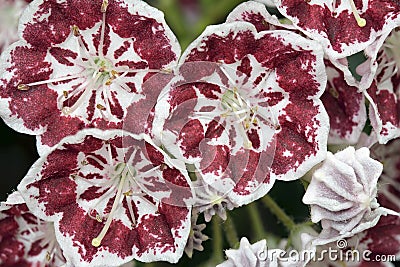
column 96, row 242
column 360, row 21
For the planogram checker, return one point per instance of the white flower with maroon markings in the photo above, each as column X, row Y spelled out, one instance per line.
column 82, row 64
column 10, row 10
column 234, row 102
column 343, row 194
column 26, row 240
column 257, row 14
column 342, row 27
column 112, row 197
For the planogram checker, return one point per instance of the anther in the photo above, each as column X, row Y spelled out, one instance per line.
column 128, row 193
column 334, row 92
column 75, row 31
column 98, row 218
column 166, row 71
column 23, row 87
column 114, row 73
column 100, row 106
column 65, row 93
column 48, row 256
column 109, row 81
column 104, row 6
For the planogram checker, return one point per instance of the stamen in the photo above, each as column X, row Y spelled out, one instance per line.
column 75, row 31
column 48, row 256
column 101, row 107
column 61, row 79
column 360, row 21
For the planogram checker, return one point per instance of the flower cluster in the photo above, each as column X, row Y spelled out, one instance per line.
column 137, row 138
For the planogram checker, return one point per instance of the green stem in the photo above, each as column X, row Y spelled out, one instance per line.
column 256, row 221
column 278, row 212
column 230, row 232
column 217, row 240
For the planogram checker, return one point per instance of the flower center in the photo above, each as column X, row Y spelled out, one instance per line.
column 128, row 183
column 240, row 110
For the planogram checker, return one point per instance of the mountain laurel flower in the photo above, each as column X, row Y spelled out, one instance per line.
column 81, row 65
column 26, row 240
column 342, row 27
column 343, row 194
column 256, row 13
column 113, row 198
column 240, row 114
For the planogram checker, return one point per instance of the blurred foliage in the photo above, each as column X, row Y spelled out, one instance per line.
column 188, row 18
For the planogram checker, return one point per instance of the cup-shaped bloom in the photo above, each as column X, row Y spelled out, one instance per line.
column 244, row 108
column 113, row 197
column 81, row 65
column 343, row 192
column 342, row 27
